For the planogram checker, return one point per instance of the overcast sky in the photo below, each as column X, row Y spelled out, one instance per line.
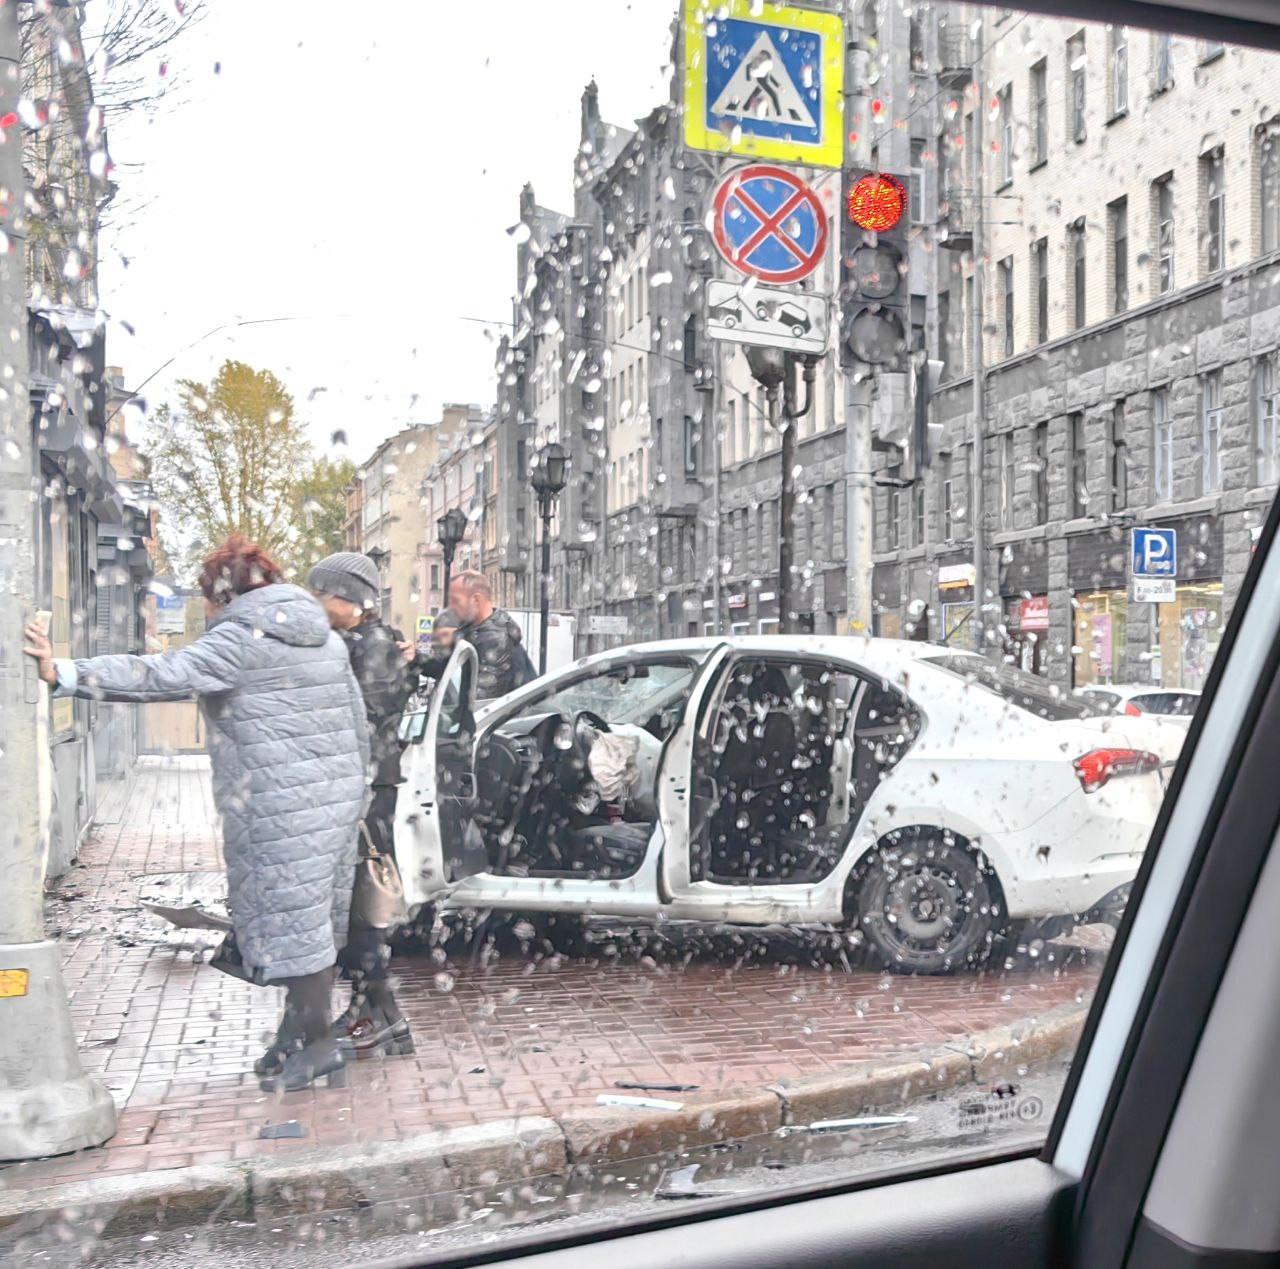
column 356, row 167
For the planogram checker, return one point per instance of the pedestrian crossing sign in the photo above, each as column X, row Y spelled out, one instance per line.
column 764, row 80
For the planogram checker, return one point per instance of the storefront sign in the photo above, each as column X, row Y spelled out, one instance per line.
column 1033, row 613
column 604, row 624
column 1155, row 590
column 737, row 600
column 171, row 614
column 955, row 576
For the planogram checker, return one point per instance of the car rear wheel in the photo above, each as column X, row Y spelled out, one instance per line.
column 926, row 902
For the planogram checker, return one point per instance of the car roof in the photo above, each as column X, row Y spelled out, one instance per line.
column 884, row 656
column 1126, row 691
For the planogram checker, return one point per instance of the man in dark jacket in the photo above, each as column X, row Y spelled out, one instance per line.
column 346, row 584
column 504, row 664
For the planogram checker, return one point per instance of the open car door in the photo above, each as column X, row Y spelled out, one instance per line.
column 685, row 791
column 437, row 840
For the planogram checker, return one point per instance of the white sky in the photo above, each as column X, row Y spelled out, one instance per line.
column 357, row 166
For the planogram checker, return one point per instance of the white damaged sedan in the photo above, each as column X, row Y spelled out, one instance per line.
column 923, row 799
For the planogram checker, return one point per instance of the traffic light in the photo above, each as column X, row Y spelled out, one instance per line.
column 875, row 296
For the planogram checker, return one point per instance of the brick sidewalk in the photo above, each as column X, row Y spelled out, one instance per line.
column 175, row 1041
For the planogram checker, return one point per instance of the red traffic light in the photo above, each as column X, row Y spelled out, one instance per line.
column 877, row 202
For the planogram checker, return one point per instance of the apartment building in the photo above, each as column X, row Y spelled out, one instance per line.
column 1130, row 330
column 462, row 477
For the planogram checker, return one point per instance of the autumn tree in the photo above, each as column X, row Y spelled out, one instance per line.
column 230, row 458
column 319, row 511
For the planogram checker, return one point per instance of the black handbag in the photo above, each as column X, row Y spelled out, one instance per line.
column 377, row 899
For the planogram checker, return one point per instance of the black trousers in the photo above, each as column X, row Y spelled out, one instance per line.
column 364, row 959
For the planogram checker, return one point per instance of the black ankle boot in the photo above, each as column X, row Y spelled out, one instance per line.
column 383, row 1026
column 287, row 1040
column 320, row 1059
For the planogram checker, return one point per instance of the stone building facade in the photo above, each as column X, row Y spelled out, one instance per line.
column 1129, row 351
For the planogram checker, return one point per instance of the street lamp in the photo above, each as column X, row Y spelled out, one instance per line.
column 450, row 530
column 548, row 476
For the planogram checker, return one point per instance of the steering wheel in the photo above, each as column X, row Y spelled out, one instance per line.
column 574, row 771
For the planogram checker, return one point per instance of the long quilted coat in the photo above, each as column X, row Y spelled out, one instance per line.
column 289, row 746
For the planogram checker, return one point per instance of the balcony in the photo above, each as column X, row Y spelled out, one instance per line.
column 955, row 57
column 957, row 210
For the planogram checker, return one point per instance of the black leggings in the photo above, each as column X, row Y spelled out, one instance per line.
column 306, row 1006
column 364, row 958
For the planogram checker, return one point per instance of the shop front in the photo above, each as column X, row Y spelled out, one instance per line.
column 1188, row 629
column 955, row 592
column 1098, row 576
column 1024, row 597
column 1026, row 632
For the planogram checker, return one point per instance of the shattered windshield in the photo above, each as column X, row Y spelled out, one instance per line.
column 787, row 405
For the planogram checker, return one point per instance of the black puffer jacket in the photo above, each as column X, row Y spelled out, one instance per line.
column 386, row 683
column 504, row 664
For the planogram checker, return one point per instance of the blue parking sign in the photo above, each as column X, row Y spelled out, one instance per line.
column 1155, row 552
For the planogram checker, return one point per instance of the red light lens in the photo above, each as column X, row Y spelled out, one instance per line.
column 877, row 202
column 1098, row 766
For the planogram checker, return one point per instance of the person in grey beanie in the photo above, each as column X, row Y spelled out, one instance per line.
column 346, row 584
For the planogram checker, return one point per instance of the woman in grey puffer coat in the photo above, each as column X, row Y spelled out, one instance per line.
column 288, row 744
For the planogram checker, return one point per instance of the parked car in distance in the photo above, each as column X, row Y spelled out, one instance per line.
column 921, row 800
column 1136, row 699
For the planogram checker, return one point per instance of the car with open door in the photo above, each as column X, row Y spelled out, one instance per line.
column 919, row 799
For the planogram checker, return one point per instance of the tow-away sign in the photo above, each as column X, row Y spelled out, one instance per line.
column 747, row 313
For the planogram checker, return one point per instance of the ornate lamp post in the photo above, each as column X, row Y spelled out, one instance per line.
column 450, row 530
column 548, row 476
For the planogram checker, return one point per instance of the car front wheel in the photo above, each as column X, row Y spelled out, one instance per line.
column 925, row 901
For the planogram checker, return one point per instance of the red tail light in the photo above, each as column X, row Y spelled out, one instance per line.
column 1098, row 766
column 1132, row 710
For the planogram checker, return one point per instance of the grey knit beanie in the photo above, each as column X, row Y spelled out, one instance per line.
column 348, row 575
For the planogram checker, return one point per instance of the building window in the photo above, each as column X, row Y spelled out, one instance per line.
column 435, row 577
column 1079, row 497
column 1162, row 61
column 1005, row 99
column 1161, row 446
column 1008, row 476
column 1267, row 425
column 690, row 448
column 1040, row 461
column 893, row 513
column 1213, row 179
column 1211, row 432
column 1119, row 217
column 1164, row 233
column 915, row 192
column 1040, row 112
column 915, row 46
column 1040, row 272
column 1269, row 185
column 917, row 512
column 948, row 498
column 1118, row 455
column 1006, row 295
column 1078, row 273
column 1119, row 71
column 1077, row 69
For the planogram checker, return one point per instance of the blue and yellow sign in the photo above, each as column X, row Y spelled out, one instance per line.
column 764, row 80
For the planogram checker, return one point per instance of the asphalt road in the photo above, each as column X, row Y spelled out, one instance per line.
column 965, row 1123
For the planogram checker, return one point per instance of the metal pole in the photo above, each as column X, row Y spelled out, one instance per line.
column 977, row 512
column 715, row 493
column 786, row 525
column 47, row 1106
column 448, row 574
column 545, row 602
